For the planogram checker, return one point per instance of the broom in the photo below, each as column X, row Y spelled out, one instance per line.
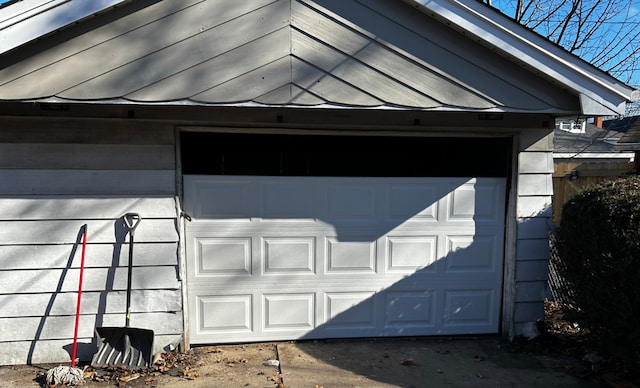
column 70, row 375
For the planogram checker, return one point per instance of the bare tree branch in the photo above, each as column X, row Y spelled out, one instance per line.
column 605, row 33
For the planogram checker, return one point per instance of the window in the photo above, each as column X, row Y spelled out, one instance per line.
column 319, row 155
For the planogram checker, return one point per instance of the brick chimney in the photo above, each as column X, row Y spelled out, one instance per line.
column 598, row 121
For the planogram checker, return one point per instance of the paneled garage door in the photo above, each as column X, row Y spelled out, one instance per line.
column 288, row 257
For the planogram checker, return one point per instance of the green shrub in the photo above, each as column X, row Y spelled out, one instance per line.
column 599, row 250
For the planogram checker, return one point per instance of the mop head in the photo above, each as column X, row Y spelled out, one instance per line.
column 65, row 375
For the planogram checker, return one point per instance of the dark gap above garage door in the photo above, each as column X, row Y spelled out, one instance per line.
column 321, row 155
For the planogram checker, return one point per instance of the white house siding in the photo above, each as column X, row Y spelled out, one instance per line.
column 55, row 177
column 533, row 214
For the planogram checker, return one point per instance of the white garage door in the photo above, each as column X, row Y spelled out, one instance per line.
column 275, row 258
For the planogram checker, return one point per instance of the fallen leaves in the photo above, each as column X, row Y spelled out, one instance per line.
column 277, row 378
column 125, row 379
column 409, row 361
column 235, row 361
column 171, row 363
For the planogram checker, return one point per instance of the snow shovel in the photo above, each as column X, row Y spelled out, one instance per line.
column 131, row 347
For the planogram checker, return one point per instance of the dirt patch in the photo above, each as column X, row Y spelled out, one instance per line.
column 207, row 366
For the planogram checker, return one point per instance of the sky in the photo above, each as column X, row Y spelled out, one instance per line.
column 628, row 72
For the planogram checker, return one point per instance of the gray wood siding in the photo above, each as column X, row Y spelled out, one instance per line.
column 534, row 195
column 58, row 175
column 278, row 52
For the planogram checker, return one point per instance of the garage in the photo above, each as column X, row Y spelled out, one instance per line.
column 303, row 169
column 323, row 236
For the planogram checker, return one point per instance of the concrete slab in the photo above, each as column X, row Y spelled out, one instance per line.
column 367, row 363
column 468, row 362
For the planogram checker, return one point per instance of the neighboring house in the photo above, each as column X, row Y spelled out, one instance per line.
column 303, row 169
column 586, row 153
column 630, row 141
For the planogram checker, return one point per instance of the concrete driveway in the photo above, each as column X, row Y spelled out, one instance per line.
column 398, row 362
column 460, row 362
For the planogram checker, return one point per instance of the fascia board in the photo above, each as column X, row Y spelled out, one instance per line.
column 593, row 155
column 477, row 19
column 28, row 20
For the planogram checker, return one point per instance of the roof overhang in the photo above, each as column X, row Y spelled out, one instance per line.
column 293, row 59
column 28, row 20
column 593, row 155
column 599, row 92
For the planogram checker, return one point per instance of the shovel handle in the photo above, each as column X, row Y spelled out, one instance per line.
column 131, row 220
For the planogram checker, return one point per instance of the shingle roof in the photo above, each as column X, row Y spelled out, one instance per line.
column 631, row 128
column 593, row 140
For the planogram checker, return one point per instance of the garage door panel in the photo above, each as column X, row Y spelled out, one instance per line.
column 289, row 311
column 288, row 200
column 218, row 314
column 350, row 310
column 477, row 202
column 289, row 255
column 284, row 258
column 351, row 202
column 414, row 200
column 472, row 253
column 414, row 309
column 222, row 199
column 406, row 254
column 469, row 309
column 352, row 254
column 223, row 257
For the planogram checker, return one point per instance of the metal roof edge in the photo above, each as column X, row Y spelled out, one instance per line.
column 28, row 20
column 593, row 155
column 528, row 47
column 249, row 103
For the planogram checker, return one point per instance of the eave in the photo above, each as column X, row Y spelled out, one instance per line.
column 599, row 93
column 29, row 20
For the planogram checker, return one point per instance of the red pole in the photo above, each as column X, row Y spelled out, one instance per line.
column 75, row 332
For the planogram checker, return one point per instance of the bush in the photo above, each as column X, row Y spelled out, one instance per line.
column 599, row 250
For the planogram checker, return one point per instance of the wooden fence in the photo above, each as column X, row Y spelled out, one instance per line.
column 571, row 176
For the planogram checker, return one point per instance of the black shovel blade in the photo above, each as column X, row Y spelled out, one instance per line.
column 128, row 346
